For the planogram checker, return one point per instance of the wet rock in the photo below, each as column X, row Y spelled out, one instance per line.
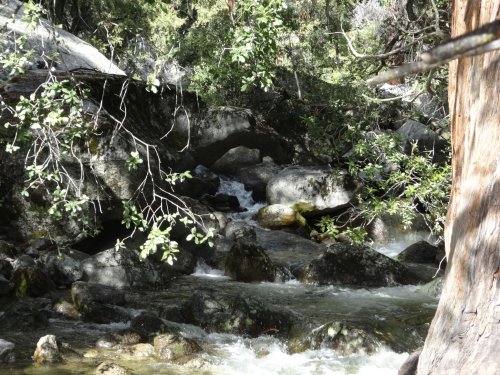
column 236, row 158
column 38, row 245
column 344, row 264
column 109, row 368
column 7, row 250
column 114, row 339
column 62, row 269
column 5, row 268
column 138, row 350
column 222, row 202
column 342, row 337
column 173, row 347
column 96, row 302
column 5, row 286
column 279, row 216
column 7, row 351
column 409, row 367
column 204, row 181
column 120, row 268
column 422, row 252
column 47, row 350
column 23, row 261
column 26, row 314
column 67, row 310
column 147, row 325
column 218, row 312
column 310, row 190
column 256, row 177
column 248, row 262
column 31, row 281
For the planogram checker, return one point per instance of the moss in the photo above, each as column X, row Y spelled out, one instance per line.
column 22, row 286
column 303, row 207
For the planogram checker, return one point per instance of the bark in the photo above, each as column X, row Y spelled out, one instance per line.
column 464, row 337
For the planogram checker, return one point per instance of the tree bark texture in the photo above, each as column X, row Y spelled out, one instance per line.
column 464, row 337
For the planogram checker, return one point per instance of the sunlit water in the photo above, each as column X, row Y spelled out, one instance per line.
column 244, row 196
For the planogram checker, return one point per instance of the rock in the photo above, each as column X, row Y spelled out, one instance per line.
column 409, row 367
column 344, row 264
column 31, row 281
column 5, row 286
column 204, row 181
column 109, row 368
column 236, row 158
column 96, row 302
column 310, row 190
column 120, row 268
column 73, row 53
column 278, row 216
column 67, row 310
column 256, row 177
column 47, row 350
column 114, row 339
column 6, row 351
column 147, row 325
column 422, row 252
column 138, row 350
column 7, row 250
column 222, row 202
column 248, row 262
column 24, row 261
column 39, row 245
column 219, row 312
column 26, row 314
column 344, row 338
column 62, row 269
column 5, row 268
column 427, row 140
column 173, row 347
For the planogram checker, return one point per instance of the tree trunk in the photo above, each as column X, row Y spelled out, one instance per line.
column 464, row 337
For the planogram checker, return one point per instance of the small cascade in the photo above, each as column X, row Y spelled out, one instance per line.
column 400, row 241
column 238, row 190
column 204, row 270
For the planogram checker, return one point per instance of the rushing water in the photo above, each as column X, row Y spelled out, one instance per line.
column 402, row 311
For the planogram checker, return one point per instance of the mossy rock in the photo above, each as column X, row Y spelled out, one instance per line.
column 31, row 281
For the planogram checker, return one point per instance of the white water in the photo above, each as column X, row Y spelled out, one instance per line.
column 204, row 270
column 400, row 241
column 237, row 189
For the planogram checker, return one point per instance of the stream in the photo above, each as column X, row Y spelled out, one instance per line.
column 402, row 311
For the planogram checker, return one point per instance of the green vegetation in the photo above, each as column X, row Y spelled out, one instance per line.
column 314, row 55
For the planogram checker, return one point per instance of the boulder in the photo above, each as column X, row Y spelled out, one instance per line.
column 342, row 337
column 47, row 350
column 409, row 367
column 248, row 262
column 110, row 368
column 5, row 268
column 114, row 339
column 31, row 281
column 203, row 181
column 256, row 177
column 344, row 264
column 311, row 190
column 138, row 350
column 67, row 310
column 222, row 202
column 236, row 158
column 240, row 314
column 47, row 40
column 5, row 286
column 120, row 268
column 172, row 347
column 6, row 351
column 24, row 261
column 147, row 325
column 279, row 216
column 96, row 302
column 39, row 245
column 26, row 314
column 426, row 139
column 7, row 250
column 422, row 252
column 62, row 269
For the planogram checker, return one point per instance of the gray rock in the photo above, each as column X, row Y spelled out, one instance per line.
column 6, row 351
column 110, row 368
column 344, row 264
column 426, row 139
column 310, row 190
column 173, row 347
column 7, row 250
column 97, row 302
column 204, row 181
column 5, row 268
column 5, row 286
column 31, row 281
column 240, row 314
column 26, row 314
column 279, row 216
column 23, row 261
column 147, row 325
column 422, row 252
column 47, row 350
column 222, row 202
column 409, row 367
column 114, row 339
column 120, row 268
column 256, row 178
column 236, row 158
column 62, row 269
column 248, row 262
column 46, row 39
